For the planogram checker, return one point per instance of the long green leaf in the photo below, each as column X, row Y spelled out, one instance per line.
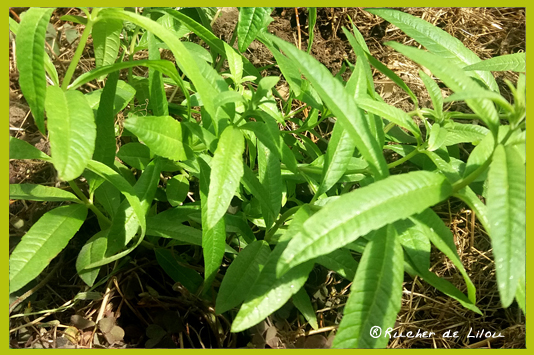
column 135, row 154
column 72, row 131
column 437, row 232
column 184, row 59
column 163, row 135
column 375, row 294
column 242, row 273
column 455, row 78
column 340, row 261
column 270, row 176
column 390, row 113
column 414, row 242
column 19, row 149
column 338, row 153
column 122, row 96
column 435, row 93
column 94, row 250
column 45, row 239
column 520, row 294
column 216, row 44
column 268, row 293
column 302, row 301
column 39, row 193
column 365, row 209
column 226, row 171
column 158, row 98
column 251, row 183
column 506, row 201
column 251, row 21
column 30, row 60
column 213, row 236
column 189, row 278
column 125, row 222
column 105, row 144
column 128, row 191
column 440, row 284
column 471, row 199
column 106, row 41
column 514, row 62
column 464, row 133
column 342, row 105
column 436, row 41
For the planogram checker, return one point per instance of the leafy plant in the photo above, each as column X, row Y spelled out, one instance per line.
column 222, row 147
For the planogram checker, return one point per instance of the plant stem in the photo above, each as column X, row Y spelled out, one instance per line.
column 403, row 159
column 457, row 186
column 78, row 54
column 89, row 203
column 281, row 221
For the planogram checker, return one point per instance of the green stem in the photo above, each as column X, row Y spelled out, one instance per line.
column 78, row 54
column 88, row 203
column 403, row 159
column 457, row 186
column 281, row 221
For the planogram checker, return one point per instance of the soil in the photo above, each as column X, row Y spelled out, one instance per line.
column 141, row 295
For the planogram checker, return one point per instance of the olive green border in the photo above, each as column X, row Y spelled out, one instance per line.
column 4, row 329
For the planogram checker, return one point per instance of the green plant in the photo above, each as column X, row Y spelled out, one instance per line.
column 243, row 171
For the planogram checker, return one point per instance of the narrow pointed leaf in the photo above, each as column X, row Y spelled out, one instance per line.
column 440, row 284
column 375, row 294
column 34, row 192
column 30, row 60
column 270, row 176
column 135, row 154
column 189, row 278
column 69, row 115
column 226, row 171
column 105, row 145
column 45, row 239
column 514, row 62
column 506, row 214
column 479, row 208
column 520, row 294
column 184, row 59
column 435, row 93
column 177, row 189
column 429, row 223
column 455, row 78
column 342, row 105
column 106, row 41
column 215, row 44
column 242, row 273
column 390, row 113
column 251, row 183
column 158, row 98
column 94, row 250
column 214, row 236
column 302, row 301
column 363, row 210
column 338, row 153
column 465, row 133
column 125, row 223
column 340, row 261
column 163, row 135
column 436, row 41
column 251, row 21
column 437, row 137
column 109, row 197
column 268, row 293
column 128, row 191
column 19, row 149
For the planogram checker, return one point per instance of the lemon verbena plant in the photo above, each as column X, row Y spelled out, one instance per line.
column 196, row 127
